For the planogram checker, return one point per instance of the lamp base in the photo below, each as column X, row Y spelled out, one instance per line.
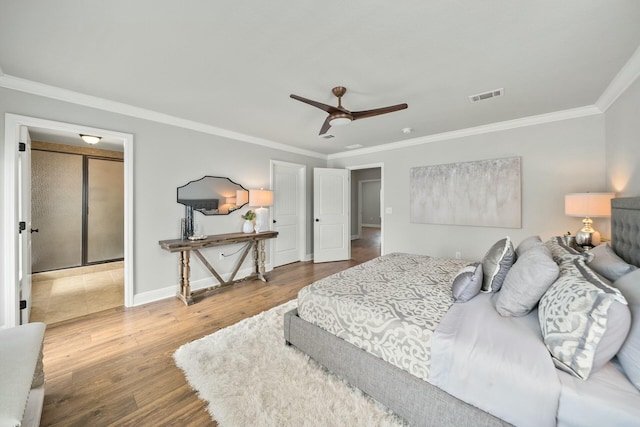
column 262, row 220
column 587, row 237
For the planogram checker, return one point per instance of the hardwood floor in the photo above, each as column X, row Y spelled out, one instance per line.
column 115, row 368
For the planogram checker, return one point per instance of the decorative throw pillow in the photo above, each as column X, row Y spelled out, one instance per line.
column 528, row 243
column 562, row 252
column 606, row 263
column 467, row 282
column 526, row 282
column 574, row 317
column 496, row 264
column 629, row 353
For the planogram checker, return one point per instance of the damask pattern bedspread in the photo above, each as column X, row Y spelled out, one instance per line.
column 389, row 306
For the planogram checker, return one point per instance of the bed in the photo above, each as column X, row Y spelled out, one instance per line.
column 403, row 329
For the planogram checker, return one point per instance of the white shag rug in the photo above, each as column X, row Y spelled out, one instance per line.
column 249, row 377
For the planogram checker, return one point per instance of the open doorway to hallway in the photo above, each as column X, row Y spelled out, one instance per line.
column 366, row 207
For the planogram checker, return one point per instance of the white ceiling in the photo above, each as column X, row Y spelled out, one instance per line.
column 232, row 65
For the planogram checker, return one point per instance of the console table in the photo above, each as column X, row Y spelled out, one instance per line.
column 185, row 247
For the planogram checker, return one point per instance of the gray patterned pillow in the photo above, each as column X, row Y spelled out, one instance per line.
column 573, row 316
column 496, row 263
column 562, row 252
column 467, row 282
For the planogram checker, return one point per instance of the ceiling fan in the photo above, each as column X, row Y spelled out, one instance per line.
column 340, row 115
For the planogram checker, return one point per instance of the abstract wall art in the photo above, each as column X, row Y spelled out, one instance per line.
column 482, row 193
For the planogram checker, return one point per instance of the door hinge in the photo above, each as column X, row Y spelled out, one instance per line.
column 23, row 304
column 22, row 226
column 22, row 146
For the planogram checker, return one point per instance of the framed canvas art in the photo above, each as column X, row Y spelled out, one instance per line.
column 483, row 193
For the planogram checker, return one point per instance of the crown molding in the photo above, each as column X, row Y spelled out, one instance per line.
column 478, row 130
column 621, row 82
column 53, row 92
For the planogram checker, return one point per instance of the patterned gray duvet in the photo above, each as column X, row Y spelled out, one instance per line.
column 389, row 306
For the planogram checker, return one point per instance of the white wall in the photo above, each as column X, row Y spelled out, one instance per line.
column 557, row 158
column 165, row 157
column 623, row 143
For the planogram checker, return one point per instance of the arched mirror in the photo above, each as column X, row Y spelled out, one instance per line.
column 213, row 195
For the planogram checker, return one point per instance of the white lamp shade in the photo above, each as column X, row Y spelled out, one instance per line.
column 260, row 198
column 588, row 204
column 242, row 197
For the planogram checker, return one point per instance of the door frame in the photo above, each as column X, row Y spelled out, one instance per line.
column 302, row 207
column 13, row 122
column 374, row 166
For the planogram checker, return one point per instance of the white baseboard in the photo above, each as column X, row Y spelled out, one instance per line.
column 172, row 290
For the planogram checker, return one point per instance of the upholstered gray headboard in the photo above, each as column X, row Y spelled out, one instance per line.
column 625, row 228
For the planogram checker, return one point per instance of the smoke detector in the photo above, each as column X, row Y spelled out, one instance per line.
column 487, row 95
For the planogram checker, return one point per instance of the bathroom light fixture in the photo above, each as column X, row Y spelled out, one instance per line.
column 90, row 139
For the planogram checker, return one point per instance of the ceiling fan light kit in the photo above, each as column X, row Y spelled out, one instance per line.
column 339, row 116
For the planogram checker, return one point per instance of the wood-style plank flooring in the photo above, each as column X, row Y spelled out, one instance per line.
column 115, row 368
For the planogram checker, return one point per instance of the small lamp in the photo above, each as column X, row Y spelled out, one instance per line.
column 588, row 205
column 231, row 201
column 261, row 198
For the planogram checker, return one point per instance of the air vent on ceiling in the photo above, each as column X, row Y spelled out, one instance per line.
column 351, row 147
column 486, row 95
column 325, row 136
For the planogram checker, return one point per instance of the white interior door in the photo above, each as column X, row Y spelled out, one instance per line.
column 24, row 236
column 331, row 215
column 288, row 212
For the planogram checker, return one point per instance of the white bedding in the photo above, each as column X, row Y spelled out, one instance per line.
column 498, row 364
column 607, row 398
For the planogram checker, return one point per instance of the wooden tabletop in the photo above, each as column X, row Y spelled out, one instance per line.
column 177, row 245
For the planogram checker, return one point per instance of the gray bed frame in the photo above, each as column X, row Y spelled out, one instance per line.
column 415, row 400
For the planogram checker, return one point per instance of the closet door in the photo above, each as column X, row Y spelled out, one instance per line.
column 104, row 210
column 56, row 210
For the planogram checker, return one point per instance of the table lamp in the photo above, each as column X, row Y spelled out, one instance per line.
column 261, row 198
column 588, row 205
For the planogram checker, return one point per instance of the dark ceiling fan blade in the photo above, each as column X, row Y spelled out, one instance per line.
column 320, row 105
column 378, row 111
column 325, row 126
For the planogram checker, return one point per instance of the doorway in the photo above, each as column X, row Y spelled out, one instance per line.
column 367, row 196
column 13, row 125
column 77, row 199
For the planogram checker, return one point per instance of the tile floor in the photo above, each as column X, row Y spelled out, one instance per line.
column 66, row 294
